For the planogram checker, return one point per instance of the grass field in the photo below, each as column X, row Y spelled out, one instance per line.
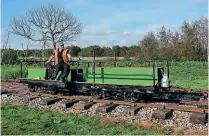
column 12, row 72
column 189, row 75
column 182, row 74
column 18, row 120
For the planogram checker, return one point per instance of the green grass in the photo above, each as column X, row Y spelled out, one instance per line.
column 189, row 75
column 12, row 72
column 19, row 120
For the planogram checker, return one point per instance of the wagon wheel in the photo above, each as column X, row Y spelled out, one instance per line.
column 96, row 93
column 32, row 88
column 38, row 88
column 52, row 90
column 131, row 97
column 118, row 96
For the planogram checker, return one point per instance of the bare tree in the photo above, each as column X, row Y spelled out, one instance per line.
column 5, row 45
column 43, row 47
column 25, row 50
column 56, row 24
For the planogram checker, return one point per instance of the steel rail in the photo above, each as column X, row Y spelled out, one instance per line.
column 177, row 107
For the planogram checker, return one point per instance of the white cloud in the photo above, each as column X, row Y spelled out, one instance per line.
column 105, row 37
column 199, row 1
column 105, row 32
column 105, row 25
column 76, row 3
column 1, row 32
column 123, row 42
column 96, row 32
column 126, row 33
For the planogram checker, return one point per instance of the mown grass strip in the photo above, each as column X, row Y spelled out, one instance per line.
column 19, row 120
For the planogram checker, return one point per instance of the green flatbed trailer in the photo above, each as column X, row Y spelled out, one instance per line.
column 110, row 78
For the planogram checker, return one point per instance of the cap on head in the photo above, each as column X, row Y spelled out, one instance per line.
column 61, row 44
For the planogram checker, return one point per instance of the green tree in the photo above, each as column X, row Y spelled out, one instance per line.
column 124, row 52
column 165, row 43
column 149, row 47
column 74, row 50
column 107, row 51
column 116, row 49
column 134, row 50
column 10, row 57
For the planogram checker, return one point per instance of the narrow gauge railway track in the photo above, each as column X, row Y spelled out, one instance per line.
column 198, row 116
column 16, row 81
column 184, row 90
column 119, row 102
column 17, row 87
column 171, row 95
column 164, row 110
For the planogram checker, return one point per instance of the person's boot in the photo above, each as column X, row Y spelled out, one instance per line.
column 52, row 79
column 62, row 79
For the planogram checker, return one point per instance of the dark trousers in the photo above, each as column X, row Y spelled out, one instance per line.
column 65, row 70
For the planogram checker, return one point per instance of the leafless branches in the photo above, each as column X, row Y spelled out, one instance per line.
column 25, row 49
column 56, row 24
column 5, row 44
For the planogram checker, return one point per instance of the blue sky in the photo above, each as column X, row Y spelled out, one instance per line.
column 112, row 22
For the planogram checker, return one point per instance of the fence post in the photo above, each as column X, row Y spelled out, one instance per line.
column 153, row 73
column 115, row 59
column 87, row 73
column 94, row 67
column 168, row 70
column 102, row 74
column 21, row 69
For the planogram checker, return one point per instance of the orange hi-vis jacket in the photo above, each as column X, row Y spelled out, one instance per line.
column 64, row 56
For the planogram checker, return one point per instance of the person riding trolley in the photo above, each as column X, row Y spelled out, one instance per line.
column 62, row 60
